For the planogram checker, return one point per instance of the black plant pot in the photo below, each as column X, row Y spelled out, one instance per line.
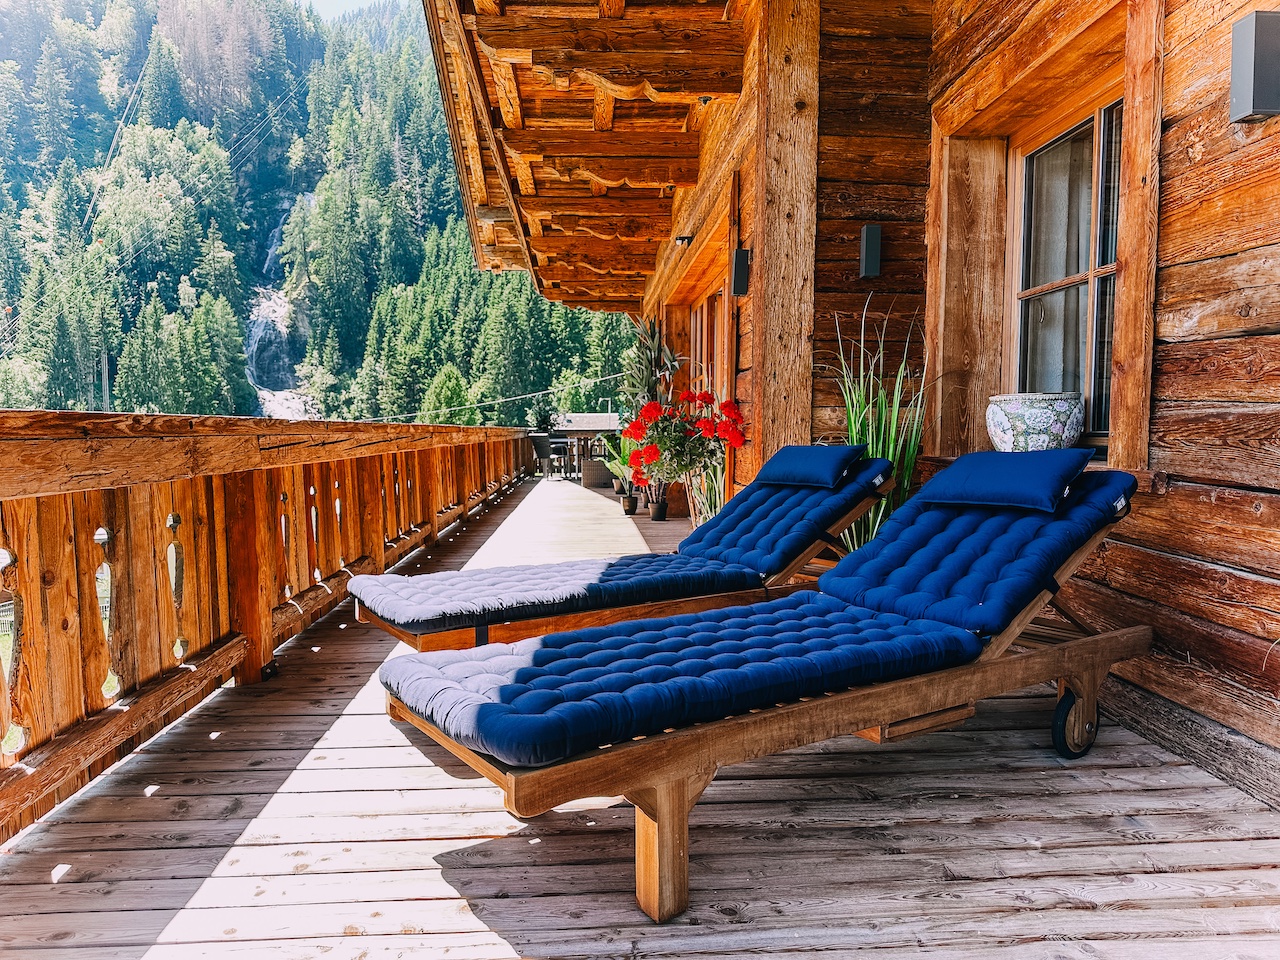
column 658, row 510
column 618, row 488
column 629, row 505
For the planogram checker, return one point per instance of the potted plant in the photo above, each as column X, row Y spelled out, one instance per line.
column 683, row 441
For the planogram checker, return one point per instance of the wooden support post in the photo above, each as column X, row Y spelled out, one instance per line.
column 662, row 845
column 371, row 517
column 782, row 280
column 1134, row 340
column 251, row 525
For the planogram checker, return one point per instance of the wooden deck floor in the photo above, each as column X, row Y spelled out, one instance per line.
column 291, row 820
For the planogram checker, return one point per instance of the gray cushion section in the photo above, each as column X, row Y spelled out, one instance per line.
column 469, row 597
column 450, row 689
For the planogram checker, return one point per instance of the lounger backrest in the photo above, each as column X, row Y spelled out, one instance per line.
column 975, row 567
column 767, row 525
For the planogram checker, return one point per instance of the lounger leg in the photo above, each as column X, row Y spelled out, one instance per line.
column 662, row 845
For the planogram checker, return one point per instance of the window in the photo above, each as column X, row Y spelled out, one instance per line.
column 706, row 360
column 1065, row 287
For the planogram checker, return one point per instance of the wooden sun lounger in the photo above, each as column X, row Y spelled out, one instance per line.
column 509, row 631
column 664, row 775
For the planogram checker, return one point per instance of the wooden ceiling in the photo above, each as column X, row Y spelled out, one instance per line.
column 572, row 124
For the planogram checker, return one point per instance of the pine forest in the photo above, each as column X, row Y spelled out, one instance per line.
column 235, row 207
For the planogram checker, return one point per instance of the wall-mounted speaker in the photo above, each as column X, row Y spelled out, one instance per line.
column 740, row 273
column 869, row 262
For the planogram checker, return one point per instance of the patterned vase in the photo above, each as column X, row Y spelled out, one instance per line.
column 1035, row 421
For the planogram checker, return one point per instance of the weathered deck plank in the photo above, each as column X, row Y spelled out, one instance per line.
column 291, row 820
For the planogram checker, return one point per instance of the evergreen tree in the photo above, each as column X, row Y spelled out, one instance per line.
column 147, row 370
column 161, row 103
column 447, row 401
column 51, row 110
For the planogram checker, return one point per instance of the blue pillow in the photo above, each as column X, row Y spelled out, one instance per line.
column 798, row 466
column 1037, row 480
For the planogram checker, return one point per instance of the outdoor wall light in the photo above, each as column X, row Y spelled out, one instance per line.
column 1255, row 67
column 684, row 240
column 740, row 273
column 869, row 259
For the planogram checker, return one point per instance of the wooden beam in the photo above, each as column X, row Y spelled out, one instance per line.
column 637, row 172
column 595, row 303
column 539, row 144
column 1134, row 337
column 573, row 271
column 508, row 92
column 471, row 146
column 491, row 214
column 970, row 314
column 603, row 288
column 610, row 9
column 438, row 59
column 782, row 277
column 564, row 246
column 615, row 228
column 473, row 79
column 660, row 77
column 602, row 109
column 616, row 205
column 513, row 38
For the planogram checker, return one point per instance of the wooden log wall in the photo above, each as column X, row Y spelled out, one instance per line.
column 151, row 558
column 1200, row 557
column 873, row 167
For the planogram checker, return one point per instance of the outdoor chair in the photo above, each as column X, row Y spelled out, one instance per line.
column 797, row 506
column 905, row 635
column 542, row 450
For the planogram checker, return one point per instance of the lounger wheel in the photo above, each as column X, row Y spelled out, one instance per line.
column 1073, row 731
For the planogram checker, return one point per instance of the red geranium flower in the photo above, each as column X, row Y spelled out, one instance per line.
column 651, row 411
column 636, row 459
column 636, row 430
column 730, row 410
column 705, row 397
column 651, row 453
column 688, row 396
column 708, row 427
column 723, row 429
column 736, row 438
column 639, row 479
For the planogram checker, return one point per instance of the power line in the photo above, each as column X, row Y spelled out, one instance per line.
column 492, row 403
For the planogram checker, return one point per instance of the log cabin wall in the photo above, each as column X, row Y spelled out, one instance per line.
column 1200, row 557
column 873, row 167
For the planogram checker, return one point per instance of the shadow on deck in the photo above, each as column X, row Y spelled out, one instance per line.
column 292, row 820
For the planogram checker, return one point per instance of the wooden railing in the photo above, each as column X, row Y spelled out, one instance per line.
column 144, row 560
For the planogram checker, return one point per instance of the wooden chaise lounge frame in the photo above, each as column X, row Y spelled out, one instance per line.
column 664, row 775
column 776, row 586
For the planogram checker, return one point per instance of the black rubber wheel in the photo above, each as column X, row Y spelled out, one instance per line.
column 1062, row 740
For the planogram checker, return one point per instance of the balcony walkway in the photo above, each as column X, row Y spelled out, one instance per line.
column 291, row 820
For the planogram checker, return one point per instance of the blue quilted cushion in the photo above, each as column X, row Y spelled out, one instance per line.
column 970, row 566
column 1036, row 480
column 819, row 466
column 546, row 699
column 456, row 599
column 766, row 526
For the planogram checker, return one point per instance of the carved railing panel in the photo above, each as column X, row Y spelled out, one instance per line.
column 143, row 560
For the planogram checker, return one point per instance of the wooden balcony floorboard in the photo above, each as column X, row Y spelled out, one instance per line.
column 291, row 820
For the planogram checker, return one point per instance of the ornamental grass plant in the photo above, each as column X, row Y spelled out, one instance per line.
column 886, row 412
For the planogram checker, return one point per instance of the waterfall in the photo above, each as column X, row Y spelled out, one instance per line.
column 271, row 266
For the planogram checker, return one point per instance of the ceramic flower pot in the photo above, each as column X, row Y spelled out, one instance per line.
column 1035, row 421
column 629, row 505
column 658, row 510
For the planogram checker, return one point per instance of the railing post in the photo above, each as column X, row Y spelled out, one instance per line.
column 372, row 520
column 251, row 576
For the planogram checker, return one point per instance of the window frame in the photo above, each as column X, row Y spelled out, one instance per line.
column 1047, row 128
